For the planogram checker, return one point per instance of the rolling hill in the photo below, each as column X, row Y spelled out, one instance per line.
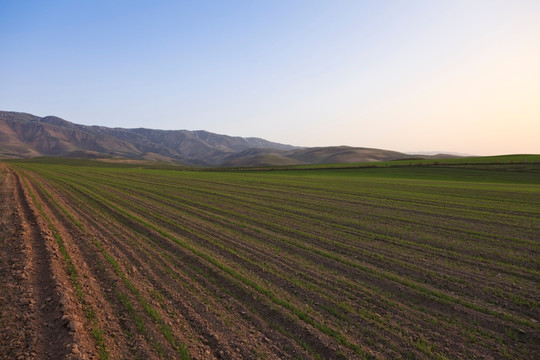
column 25, row 136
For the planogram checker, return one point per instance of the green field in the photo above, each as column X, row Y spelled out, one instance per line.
column 411, row 259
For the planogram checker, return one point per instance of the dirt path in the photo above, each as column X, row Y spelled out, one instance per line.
column 13, row 330
column 30, row 308
column 52, row 335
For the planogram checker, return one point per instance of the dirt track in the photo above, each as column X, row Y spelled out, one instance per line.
column 34, row 298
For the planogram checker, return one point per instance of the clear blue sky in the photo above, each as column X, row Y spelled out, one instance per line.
column 460, row 76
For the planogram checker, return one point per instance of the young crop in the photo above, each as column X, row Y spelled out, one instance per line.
column 365, row 262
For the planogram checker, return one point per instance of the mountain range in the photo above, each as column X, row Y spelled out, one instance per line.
column 24, row 136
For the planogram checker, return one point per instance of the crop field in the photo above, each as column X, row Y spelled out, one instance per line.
column 136, row 263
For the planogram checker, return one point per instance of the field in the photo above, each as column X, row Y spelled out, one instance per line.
column 106, row 261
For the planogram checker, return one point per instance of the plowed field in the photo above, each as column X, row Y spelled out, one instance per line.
column 124, row 263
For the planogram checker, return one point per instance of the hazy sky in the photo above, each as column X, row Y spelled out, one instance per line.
column 461, row 76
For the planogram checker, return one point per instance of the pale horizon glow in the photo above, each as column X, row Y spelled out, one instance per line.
column 415, row 76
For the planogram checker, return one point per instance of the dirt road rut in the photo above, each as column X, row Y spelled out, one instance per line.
column 32, row 286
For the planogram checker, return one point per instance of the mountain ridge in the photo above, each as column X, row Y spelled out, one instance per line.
column 25, row 135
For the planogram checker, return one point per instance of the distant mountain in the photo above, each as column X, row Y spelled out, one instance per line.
column 24, row 136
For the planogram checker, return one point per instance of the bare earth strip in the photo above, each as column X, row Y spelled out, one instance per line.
column 18, row 337
column 31, row 314
column 52, row 336
column 38, row 313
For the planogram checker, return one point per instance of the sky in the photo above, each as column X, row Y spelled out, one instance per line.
column 412, row 76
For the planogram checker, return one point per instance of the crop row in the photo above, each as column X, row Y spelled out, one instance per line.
column 329, row 266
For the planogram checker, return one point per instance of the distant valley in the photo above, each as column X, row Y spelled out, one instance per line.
column 25, row 136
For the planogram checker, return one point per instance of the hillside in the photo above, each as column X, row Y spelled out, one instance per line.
column 316, row 155
column 25, row 136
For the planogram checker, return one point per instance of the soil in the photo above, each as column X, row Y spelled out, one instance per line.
column 41, row 316
column 35, row 313
column 82, row 276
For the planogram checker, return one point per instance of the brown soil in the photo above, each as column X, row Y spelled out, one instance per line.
column 49, row 310
column 42, row 317
column 35, row 316
column 199, row 324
